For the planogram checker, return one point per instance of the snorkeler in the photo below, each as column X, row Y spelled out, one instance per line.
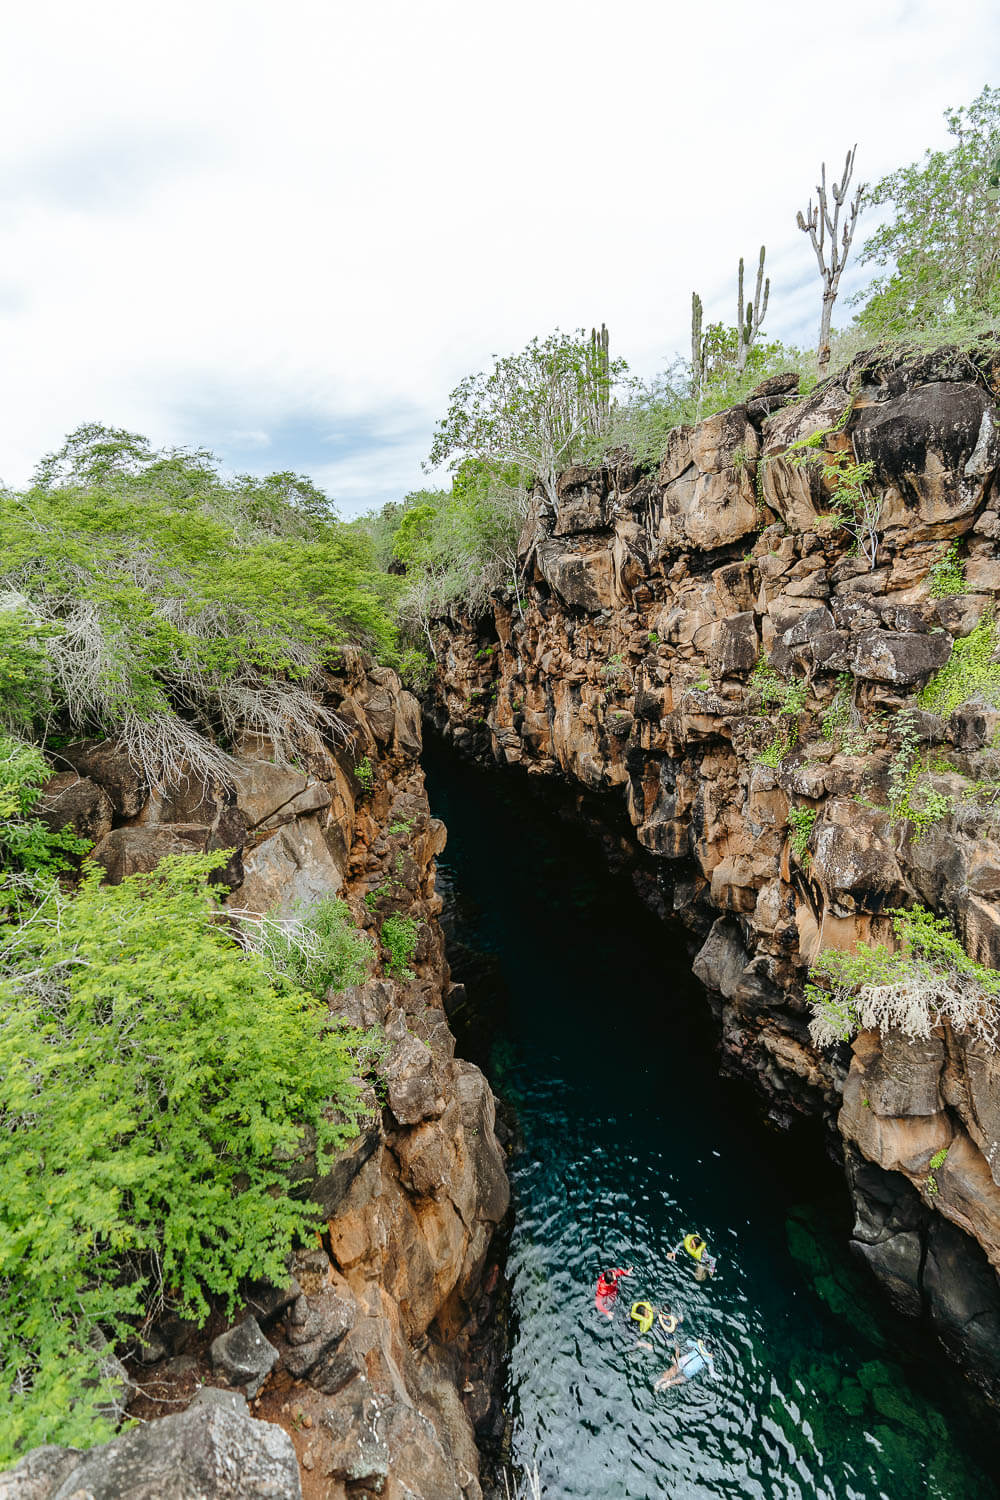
column 698, row 1251
column 695, row 1360
column 607, row 1289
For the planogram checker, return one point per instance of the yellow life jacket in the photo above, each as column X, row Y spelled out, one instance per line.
column 643, row 1315
column 694, row 1245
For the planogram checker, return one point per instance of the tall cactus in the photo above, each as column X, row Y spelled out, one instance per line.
column 697, row 346
column 751, row 316
column 818, row 223
column 600, row 379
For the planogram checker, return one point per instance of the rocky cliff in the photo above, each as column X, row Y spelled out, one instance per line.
column 704, row 646
column 373, row 1359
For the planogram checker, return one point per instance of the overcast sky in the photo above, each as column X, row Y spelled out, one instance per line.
column 285, row 231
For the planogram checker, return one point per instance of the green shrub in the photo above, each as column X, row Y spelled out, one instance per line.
column 927, row 980
column 30, row 853
column 318, row 947
column 399, row 937
column 948, row 575
column 153, row 1079
column 800, row 823
column 25, row 669
column 968, row 673
column 364, row 773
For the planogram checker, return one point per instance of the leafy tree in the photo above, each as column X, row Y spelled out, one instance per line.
column 154, row 1078
column 941, row 245
column 535, row 409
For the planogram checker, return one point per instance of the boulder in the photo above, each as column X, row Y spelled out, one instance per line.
column 720, row 961
column 413, row 1091
column 244, row 1355
column 211, row 1450
column 138, row 850
column 898, row 657
column 581, row 495
column 293, row 865
column 937, row 444
column 316, row 1324
column 109, row 765
column 77, row 802
column 582, row 575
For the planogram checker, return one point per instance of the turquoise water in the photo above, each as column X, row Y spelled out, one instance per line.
column 587, row 1019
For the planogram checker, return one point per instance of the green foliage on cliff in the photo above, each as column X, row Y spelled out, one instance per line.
column 929, row 978
column 970, row 671
column 318, row 947
column 940, row 246
column 160, row 602
column 154, row 1077
column 399, row 938
column 30, row 853
column 454, row 548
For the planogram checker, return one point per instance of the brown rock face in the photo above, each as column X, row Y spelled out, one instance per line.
column 761, row 820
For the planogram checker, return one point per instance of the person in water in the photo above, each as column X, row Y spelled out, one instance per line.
column 695, row 1360
column 607, row 1289
column 698, row 1251
column 650, row 1320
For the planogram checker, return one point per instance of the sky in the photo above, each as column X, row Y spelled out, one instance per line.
column 285, row 232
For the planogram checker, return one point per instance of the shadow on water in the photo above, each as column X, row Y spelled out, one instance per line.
column 584, row 1013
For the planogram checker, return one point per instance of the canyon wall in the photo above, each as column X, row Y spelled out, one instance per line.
column 626, row 665
column 375, row 1360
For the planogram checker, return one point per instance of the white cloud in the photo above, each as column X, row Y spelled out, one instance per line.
column 225, row 223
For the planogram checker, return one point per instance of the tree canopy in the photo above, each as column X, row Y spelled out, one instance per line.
column 941, row 244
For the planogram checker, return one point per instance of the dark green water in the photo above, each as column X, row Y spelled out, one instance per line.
column 587, row 1019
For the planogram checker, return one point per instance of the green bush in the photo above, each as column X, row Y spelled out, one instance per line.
column 30, row 853
column 25, row 669
column 927, row 980
column 318, row 948
column 969, row 672
column 399, row 937
column 154, row 1077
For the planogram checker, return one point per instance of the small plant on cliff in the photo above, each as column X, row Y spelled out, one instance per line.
column 935, row 1164
column 154, row 1080
column 399, row 938
column 948, row 575
column 317, row 946
column 800, row 823
column 927, row 980
column 856, row 503
column 364, row 773
column 919, row 805
column 969, row 672
column 765, row 685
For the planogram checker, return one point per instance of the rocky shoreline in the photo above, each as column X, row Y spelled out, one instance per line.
column 630, row 666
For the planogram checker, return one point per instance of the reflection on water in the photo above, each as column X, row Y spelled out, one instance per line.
column 595, row 1033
